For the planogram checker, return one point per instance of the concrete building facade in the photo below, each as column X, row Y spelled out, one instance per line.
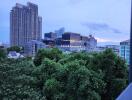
column 25, row 24
column 125, row 50
column 75, row 42
column 50, row 36
column 60, row 32
column 33, row 46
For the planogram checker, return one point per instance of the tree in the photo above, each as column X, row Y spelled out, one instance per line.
column 51, row 89
column 57, row 76
column 17, row 81
column 14, row 48
column 2, row 54
column 82, row 83
column 53, row 54
column 114, row 69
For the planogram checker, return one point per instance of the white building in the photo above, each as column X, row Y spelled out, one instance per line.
column 91, row 43
column 14, row 55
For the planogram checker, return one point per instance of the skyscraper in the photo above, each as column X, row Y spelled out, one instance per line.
column 39, row 28
column 25, row 24
column 125, row 51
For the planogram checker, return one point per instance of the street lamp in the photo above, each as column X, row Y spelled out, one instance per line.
column 130, row 67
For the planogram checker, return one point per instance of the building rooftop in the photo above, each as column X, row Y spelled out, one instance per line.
column 29, row 3
column 14, row 55
column 71, row 33
column 19, row 5
column 125, row 41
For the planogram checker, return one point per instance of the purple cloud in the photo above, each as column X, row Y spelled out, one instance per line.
column 100, row 27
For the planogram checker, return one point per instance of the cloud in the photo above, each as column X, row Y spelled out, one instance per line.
column 106, row 40
column 100, row 27
column 102, row 40
column 75, row 1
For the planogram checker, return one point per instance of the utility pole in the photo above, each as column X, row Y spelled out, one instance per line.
column 130, row 67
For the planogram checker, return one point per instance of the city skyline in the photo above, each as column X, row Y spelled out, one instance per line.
column 84, row 17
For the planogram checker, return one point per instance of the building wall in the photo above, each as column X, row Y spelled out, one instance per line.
column 25, row 25
column 39, row 28
column 115, row 48
column 50, row 36
column 91, row 43
column 60, row 32
column 75, row 42
column 33, row 46
column 125, row 51
column 71, row 39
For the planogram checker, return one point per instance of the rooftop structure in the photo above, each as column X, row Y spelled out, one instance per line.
column 14, row 55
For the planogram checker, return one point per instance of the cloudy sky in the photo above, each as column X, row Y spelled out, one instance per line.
column 107, row 20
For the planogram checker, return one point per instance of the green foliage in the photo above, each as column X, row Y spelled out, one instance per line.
column 57, row 76
column 14, row 48
column 53, row 54
column 51, row 89
column 114, row 69
column 17, row 82
column 2, row 54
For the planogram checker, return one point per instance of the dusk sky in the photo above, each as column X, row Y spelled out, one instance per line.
column 107, row 20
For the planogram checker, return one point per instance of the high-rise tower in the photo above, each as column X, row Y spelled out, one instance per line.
column 25, row 24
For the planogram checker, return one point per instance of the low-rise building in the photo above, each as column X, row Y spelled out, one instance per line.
column 100, row 49
column 71, row 41
column 115, row 48
column 49, row 43
column 75, row 42
column 60, row 32
column 14, row 55
column 91, row 43
column 32, row 47
column 4, row 45
column 50, row 36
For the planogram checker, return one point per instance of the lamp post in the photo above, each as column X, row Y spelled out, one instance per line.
column 130, row 67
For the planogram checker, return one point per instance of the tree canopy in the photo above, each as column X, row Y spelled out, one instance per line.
column 14, row 48
column 53, row 75
column 2, row 54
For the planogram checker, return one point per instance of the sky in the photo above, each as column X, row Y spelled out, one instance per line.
column 107, row 20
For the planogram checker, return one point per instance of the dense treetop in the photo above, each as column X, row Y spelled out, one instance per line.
column 53, row 75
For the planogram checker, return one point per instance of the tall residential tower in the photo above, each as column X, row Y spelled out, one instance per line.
column 25, row 24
